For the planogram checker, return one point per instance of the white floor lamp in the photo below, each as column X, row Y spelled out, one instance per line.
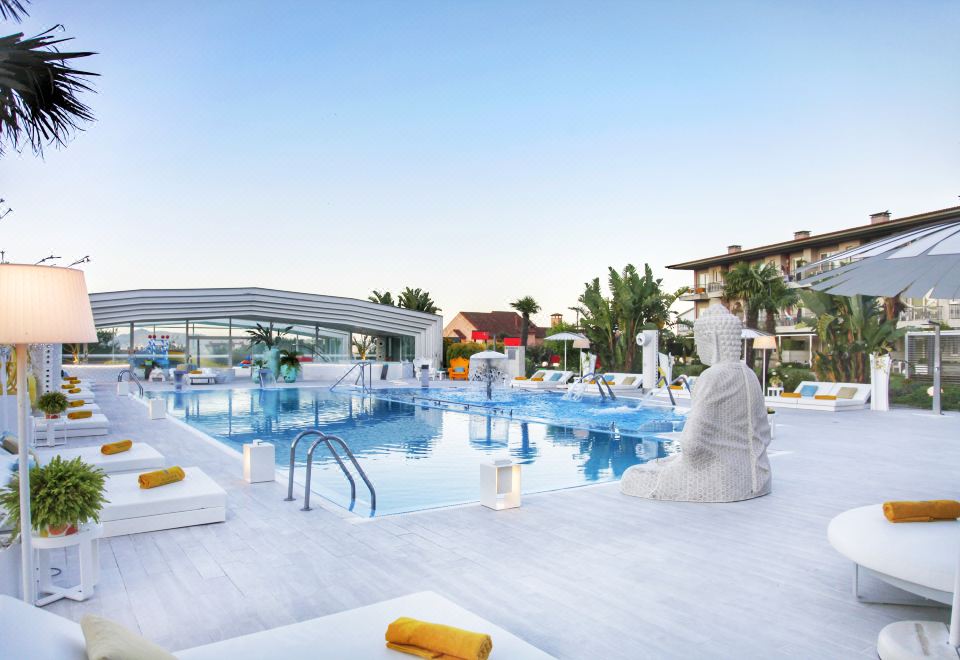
column 765, row 344
column 38, row 305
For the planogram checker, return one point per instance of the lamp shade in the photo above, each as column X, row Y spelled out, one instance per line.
column 44, row 305
column 581, row 343
column 766, row 342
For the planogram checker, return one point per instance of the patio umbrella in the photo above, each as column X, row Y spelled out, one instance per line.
column 920, row 263
column 565, row 337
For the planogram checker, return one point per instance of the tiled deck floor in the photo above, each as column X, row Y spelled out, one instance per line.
column 583, row 573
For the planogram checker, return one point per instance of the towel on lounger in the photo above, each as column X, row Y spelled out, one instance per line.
column 928, row 511
column 161, row 477
column 75, row 404
column 68, row 386
column 116, row 447
column 80, row 414
column 434, row 640
column 75, row 390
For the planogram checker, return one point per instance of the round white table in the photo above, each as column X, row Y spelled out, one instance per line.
column 87, row 540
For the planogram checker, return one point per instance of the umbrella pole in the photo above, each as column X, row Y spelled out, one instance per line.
column 23, row 412
column 564, row 356
column 936, row 371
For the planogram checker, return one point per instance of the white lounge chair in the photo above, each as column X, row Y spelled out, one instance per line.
column 206, row 376
column 140, row 457
column 623, row 381
column 30, row 632
column 917, row 557
column 834, row 397
column 96, row 424
column 196, row 500
column 551, row 379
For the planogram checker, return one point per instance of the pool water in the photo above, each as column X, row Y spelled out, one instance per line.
column 421, row 455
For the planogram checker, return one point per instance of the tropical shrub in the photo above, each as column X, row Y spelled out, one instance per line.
column 465, row 349
column 52, row 403
column 913, row 393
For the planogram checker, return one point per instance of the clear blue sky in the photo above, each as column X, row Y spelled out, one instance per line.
column 480, row 150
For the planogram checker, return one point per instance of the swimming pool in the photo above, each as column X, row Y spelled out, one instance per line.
column 422, row 455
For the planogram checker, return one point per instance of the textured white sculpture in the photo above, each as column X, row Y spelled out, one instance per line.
column 723, row 455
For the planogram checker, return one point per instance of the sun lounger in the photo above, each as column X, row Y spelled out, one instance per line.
column 206, row 376
column 30, row 632
column 196, row 500
column 551, row 379
column 830, row 397
column 623, row 381
column 96, row 424
column 140, row 457
column 917, row 557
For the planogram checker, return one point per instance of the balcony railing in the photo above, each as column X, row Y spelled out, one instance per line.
column 715, row 289
column 922, row 314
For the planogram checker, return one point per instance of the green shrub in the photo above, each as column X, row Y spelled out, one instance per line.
column 464, row 349
column 688, row 369
column 52, row 403
column 791, row 375
column 913, row 393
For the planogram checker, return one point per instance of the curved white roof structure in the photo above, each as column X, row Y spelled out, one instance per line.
column 116, row 308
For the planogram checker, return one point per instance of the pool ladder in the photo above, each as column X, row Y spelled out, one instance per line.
column 600, row 382
column 132, row 378
column 328, row 441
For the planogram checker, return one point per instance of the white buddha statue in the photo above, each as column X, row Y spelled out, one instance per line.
column 723, row 455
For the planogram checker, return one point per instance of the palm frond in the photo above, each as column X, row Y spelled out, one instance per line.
column 13, row 10
column 39, row 103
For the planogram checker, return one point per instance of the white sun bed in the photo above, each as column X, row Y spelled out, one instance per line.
column 917, row 557
column 96, row 424
column 623, row 381
column 31, row 632
column 849, row 396
column 197, row 500
column 206, row 376
column 550, row 380
column 140, row 457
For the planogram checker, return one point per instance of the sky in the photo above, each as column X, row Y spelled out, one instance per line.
column 482, row 151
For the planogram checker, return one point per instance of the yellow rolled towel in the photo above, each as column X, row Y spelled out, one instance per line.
column 927, row 511
column 68, row 386
column 536, row 380
column 825, row 397
column 161, row 477
column 196, row 372
column 75, row 404
column 520, row 378
column 75, row 390
column 80, row 414
column 116, row 447
column 435, row 640
column 790, row 395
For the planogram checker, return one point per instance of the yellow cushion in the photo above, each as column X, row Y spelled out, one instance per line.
column 825, row 397
column 676, row 387
column 80, row 414
column 790, row 395
column 75, row 404
column 520, row 378
column 539, row 380
column 107, row 640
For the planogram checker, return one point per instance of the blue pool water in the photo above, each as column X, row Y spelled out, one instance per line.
column 425, row 453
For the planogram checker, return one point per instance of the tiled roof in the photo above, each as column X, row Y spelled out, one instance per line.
column 499, row 323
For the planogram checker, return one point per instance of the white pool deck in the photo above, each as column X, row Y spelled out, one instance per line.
column 580, row 573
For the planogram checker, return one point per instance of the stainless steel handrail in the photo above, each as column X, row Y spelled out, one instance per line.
column 328, row 441
column 133, row 379
column 366, row 373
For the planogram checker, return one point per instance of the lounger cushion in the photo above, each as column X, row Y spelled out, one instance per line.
column 107, row 640
column 557, row 376
column 846, row 392
column 630, row 380
column 808, row 390
column 128, row 500
column 139, row 457
column 359, row 633
column 919, row 553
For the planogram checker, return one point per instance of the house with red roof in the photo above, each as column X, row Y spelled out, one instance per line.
column 479, row 326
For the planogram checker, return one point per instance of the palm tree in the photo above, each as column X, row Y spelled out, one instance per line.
column 417, row 300
column 363, row 344
column 526, row 306
column 39, row 102
column 266, row 336
column 385, row 298
column 758, row 287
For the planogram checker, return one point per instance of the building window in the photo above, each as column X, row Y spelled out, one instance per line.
column 954, row 311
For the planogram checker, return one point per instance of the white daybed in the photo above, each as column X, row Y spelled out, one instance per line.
column 550, row 380
column 84, row 394
column 140, row 457
column 197, row 500
column 96, row 424
column 623, row 381
column 30, row 632
column 917, row 557
column 849, row 396
column 206, row 376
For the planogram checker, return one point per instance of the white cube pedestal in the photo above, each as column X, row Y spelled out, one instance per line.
column 157, row 408
column 500, row 484
column 123, row 388
column 259, row 463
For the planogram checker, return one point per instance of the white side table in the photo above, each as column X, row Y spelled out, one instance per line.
column 157, row 408
column 774, row 391
column 500, row 484
column 87, row 541
column 259, row 462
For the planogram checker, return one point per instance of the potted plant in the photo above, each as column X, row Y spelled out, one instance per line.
column 269, row 339
column 52, row 404
column 289, row 365
column 64, row 495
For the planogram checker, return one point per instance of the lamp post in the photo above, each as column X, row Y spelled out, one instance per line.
column 38, row 305
column 765, row 343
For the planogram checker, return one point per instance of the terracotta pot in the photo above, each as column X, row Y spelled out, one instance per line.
column 61, row 530
column 50, row 416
